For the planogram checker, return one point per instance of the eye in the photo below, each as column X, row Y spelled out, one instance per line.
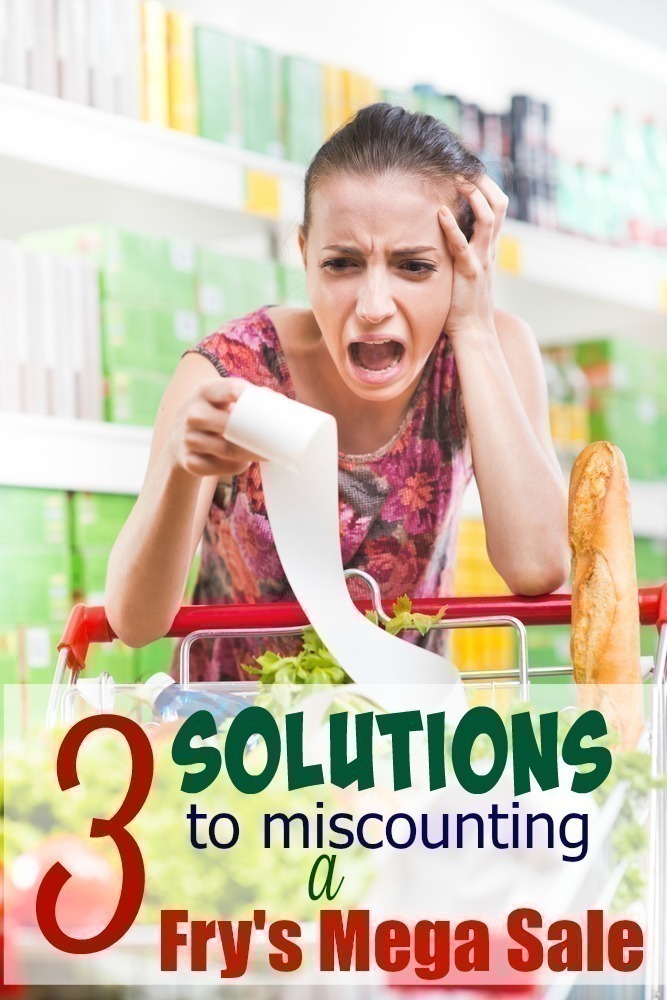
column 418, row 266
column 332, row 264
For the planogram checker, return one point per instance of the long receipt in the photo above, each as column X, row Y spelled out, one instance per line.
column 299, row 449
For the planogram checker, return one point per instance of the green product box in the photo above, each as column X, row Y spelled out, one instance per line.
column 260, row 79
column 35, row 585
column 98, row 517
column 218, row 80
column 292, row 286
column 155, row 657
column 134, row 267
column 445, row 107
column 632, row 423
column 621, row 364
column 33, row 517
column 549, row 646
column 662, row 441
column 231, row 286
column 303, row 108
column 146, row 338
column 651, row 558
column 133, row 397
column 90, row 574
column 649, row 640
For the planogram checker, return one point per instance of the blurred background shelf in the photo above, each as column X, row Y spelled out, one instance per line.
column 649, row 508
column 85, row 455
column 67, row 164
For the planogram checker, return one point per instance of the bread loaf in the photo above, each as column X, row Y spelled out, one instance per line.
column 605, row 643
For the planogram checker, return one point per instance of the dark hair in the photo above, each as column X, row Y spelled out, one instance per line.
column 383, row 138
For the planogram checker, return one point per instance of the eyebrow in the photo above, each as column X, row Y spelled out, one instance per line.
column 403, row 251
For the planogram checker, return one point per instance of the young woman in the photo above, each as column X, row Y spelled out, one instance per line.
column 427, row 380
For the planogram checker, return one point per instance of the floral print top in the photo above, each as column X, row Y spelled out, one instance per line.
column 399, row 505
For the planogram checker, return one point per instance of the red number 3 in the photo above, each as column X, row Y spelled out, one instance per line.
column 134, row 877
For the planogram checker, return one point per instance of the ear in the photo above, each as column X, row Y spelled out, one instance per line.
column 302, row 245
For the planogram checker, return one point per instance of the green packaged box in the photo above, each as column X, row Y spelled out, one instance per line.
column 90, row 574
column 35, row 585
column 114, row 658
column 651, row 558
column 155, row 657
column 146, row 338
column 292, row 286
column 260, row 78
column 98, row 517
column 303, row 108
column 133, row 397
column 621, row 364
column 649, row 640
column 445, row 107
column 230, row 286
column 134, row 267
column 33, row 517
column 218, row 81
column 549, row 645
column 662, row 441
column 633, row 423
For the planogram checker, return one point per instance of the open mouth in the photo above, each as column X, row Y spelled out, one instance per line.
column 376, row 358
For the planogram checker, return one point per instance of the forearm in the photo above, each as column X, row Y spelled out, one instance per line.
column 150, row 558
column 523, row 494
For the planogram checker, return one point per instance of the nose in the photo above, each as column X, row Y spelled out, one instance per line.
column 374, row 301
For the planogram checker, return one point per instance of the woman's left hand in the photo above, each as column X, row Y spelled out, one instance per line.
column 474, row 262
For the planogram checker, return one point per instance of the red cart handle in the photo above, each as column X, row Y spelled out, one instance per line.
column 89, row 624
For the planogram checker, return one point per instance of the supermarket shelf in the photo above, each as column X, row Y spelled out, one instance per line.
column 567, row 287
column 99, row 162
column 65, row 163
column 649, row 508
column 52, row 453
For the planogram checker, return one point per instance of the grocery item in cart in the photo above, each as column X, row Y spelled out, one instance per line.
column 605, row 643
column 170, row 701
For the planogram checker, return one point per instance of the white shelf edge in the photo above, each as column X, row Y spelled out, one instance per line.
column 85, row 455
column 627, row 276
column 649, row 508
column 88, row 142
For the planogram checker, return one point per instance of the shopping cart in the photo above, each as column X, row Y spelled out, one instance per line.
column 88, row 625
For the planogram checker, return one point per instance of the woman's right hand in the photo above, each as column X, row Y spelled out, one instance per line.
column 196, row 439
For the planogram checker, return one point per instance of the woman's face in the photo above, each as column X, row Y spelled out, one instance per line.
column 379, row 277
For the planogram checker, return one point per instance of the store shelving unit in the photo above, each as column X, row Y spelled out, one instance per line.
column 52, row 453
column 68, row 163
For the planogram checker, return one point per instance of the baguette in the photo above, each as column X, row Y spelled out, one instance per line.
column 605, row 642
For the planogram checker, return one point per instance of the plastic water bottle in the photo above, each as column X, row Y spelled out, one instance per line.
column 170, row 701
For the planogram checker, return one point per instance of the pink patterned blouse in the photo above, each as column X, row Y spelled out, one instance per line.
column 399, row 506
